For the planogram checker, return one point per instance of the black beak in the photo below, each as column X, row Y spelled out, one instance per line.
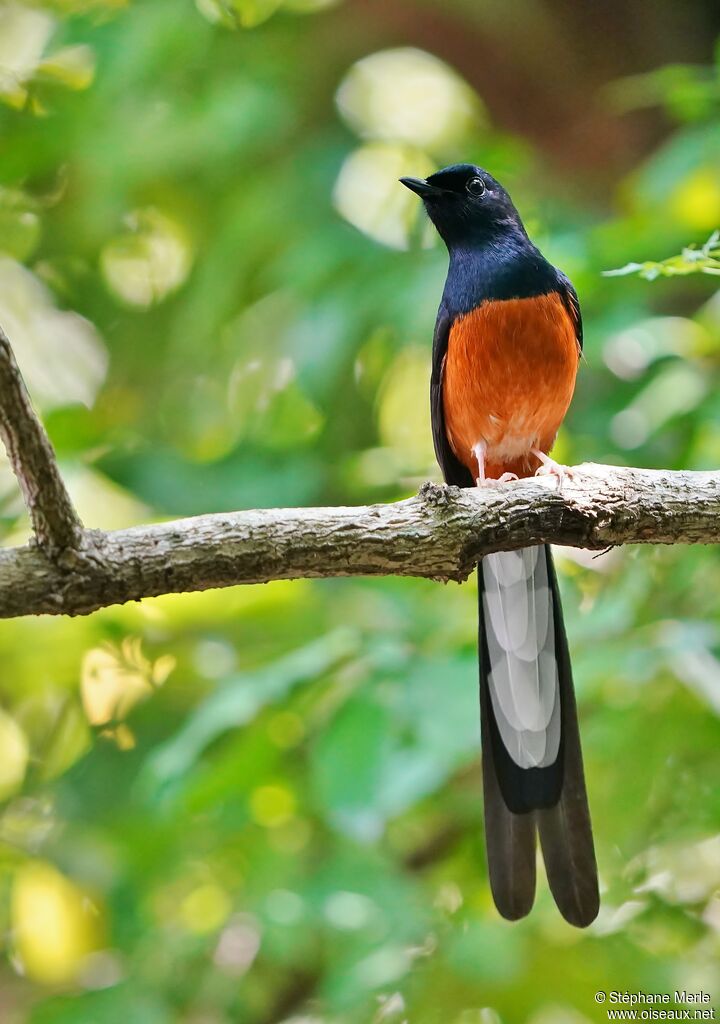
column 421, row 187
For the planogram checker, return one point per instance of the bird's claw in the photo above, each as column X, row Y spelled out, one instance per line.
column 490, row 481
column 549, row 467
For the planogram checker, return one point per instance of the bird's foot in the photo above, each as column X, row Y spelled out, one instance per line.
column 490, row 481
column 549, row 467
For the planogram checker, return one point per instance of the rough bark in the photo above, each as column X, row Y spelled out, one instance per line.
column 439, row 534
column 55, row 521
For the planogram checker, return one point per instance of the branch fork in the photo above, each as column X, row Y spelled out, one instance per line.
column 439, row 534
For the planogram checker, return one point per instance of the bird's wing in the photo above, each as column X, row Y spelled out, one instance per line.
column 572, row 305
column 452, row 469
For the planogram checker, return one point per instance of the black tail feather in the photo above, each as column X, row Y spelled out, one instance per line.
column 509, row 837
column 565, row 830
column 552, row 800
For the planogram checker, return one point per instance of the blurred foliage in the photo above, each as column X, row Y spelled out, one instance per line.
column 264, row 804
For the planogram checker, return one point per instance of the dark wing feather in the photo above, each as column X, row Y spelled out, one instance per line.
column 572, row 305
column 452, row 469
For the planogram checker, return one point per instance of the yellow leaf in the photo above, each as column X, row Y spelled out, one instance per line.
column 109, row 688
column 205, row 909
column 696, row 201
column 55, row 925
column 272, row 806
column 73, row 66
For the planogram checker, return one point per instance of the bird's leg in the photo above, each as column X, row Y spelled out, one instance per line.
column 483, row 481
column 549, row 467
column 479, row 453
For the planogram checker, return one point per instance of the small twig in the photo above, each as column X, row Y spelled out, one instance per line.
column 55, row 522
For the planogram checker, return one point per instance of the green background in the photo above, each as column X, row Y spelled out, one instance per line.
column 264, row 804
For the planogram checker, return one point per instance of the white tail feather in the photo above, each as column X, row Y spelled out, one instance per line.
column 520, row 634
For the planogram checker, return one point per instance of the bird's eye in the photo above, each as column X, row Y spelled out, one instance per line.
column 476, row 186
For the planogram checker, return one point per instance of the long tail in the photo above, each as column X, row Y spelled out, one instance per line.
column 532, row 764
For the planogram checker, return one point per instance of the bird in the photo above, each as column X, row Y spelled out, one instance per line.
column 506, row 349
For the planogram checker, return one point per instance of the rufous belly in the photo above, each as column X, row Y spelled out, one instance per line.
column 508, row 379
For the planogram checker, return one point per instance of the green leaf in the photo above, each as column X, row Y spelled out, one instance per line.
column 238, row 701
column 692, row 260
column 349, row 764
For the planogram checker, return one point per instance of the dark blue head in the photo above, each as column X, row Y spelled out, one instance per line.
column 467, row 205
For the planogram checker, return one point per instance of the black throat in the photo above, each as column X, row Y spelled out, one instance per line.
column 502, row 267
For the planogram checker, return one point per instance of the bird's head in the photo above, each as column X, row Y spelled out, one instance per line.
column 467, row 205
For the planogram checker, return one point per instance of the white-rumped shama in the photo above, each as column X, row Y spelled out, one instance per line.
column 506, row 349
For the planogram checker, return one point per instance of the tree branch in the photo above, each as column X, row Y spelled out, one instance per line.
column 54, row 519
column 439, row 534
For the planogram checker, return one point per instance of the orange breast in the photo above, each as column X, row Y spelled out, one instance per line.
column 508, row 379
